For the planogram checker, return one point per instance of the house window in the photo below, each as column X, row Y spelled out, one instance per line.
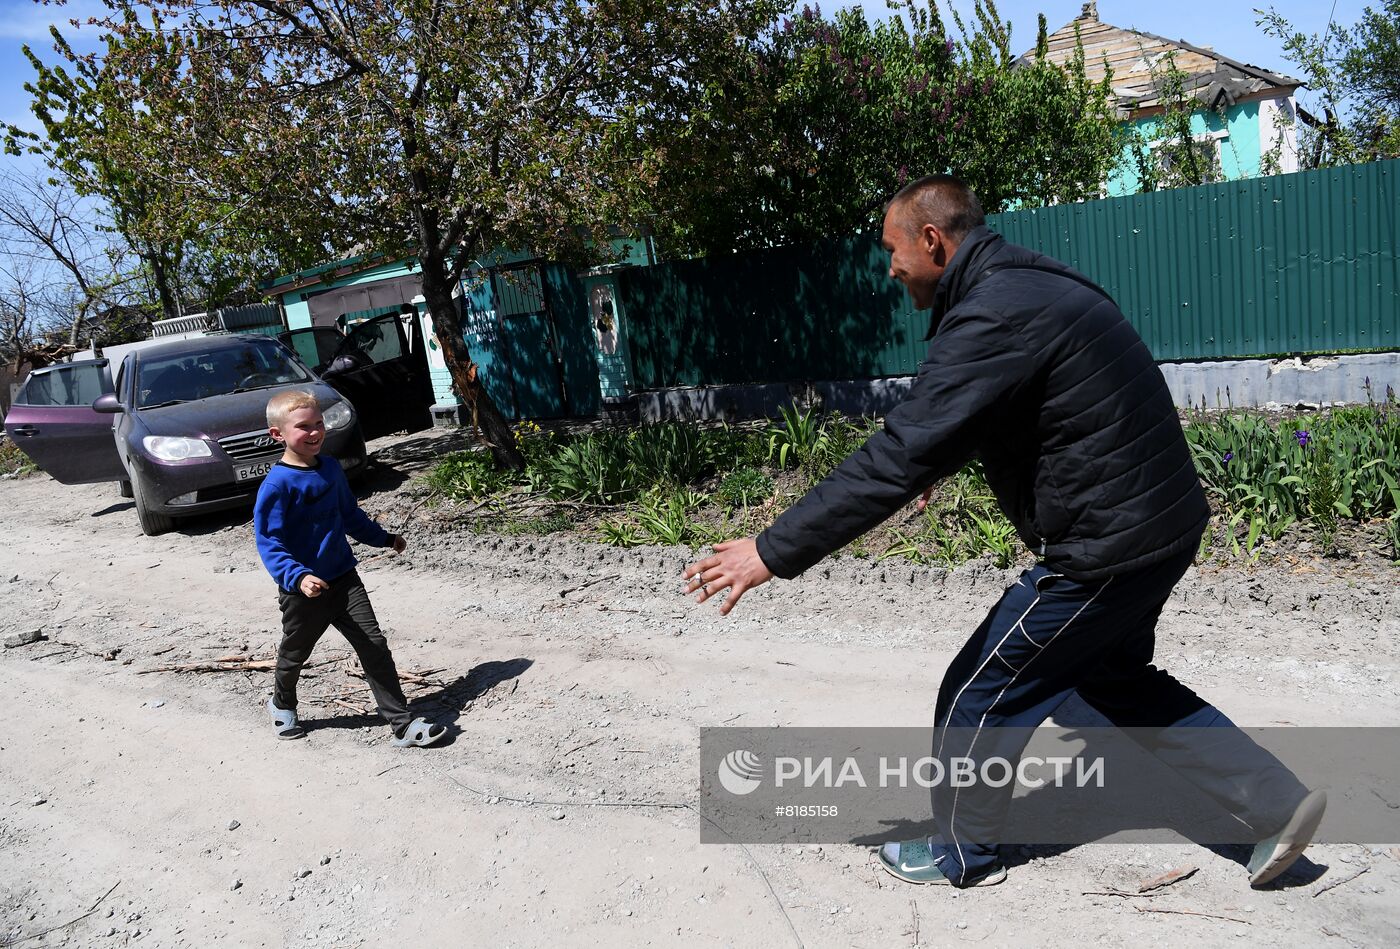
column 1205, row 146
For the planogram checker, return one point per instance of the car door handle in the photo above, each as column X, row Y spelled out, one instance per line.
column 25, row 430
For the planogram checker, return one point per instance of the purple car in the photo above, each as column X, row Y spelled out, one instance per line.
column 190, row 428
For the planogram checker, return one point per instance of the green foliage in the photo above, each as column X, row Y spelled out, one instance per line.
column 620, row 532
column 673, row 453
column 1265, row 478
column 1165, row 153
column 797, row 441
column 124, row 128
column 537, row 526
column 1354, row 78
column 1316, row 468
column 813, row 443
column 664, row 518
column 961, row 522
column 14, row 462
column 439, row 131
column 1324, row 498
column 466, row 475
column 964, row 521
column 743, row 487
column 594, row 469
column 612, row 467
column 805, row 133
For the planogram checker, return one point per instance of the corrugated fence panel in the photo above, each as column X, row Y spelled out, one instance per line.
column 824, row 311
column 1285, row 264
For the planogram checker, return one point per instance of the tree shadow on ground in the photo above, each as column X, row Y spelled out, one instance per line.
column 378, row 477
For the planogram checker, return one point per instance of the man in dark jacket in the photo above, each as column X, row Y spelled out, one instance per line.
column 1033, row 370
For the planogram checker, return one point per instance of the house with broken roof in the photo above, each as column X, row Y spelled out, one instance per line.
column 1243, row 118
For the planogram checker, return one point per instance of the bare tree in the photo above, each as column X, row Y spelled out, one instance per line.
column 61, row 275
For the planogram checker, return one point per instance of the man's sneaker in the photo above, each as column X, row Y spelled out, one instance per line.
column 913, row 862
column 1277, row 853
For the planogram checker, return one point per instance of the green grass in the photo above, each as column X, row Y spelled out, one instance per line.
column 13, row 461
column 1326, row 475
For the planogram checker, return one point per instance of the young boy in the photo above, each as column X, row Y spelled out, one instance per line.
column 303, row 512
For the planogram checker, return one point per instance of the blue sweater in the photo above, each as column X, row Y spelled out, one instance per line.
column 300, row 520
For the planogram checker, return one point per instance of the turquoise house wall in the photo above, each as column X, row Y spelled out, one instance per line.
column 482, row 329
column 482, row 332
column 1241, row 150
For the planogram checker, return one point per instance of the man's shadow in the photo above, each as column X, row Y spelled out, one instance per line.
column 443, row 706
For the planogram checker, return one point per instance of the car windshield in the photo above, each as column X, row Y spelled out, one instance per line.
column 165, row 380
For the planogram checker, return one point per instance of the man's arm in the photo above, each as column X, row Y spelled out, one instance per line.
column 975, row 366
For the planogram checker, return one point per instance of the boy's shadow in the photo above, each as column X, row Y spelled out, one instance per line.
column 445, row 705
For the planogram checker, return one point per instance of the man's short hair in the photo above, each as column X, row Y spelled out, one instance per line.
column 944, row 201
column 285, row 403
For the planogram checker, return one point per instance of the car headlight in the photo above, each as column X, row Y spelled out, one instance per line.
column 174, row 448
column 338, row 415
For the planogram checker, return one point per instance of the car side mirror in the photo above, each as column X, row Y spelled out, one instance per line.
column 107, row 405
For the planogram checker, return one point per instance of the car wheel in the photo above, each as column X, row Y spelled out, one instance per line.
column 124, row 489
column 152, row 522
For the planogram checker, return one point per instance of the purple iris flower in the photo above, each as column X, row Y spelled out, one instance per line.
column 1229, row 457
column 1303, row 436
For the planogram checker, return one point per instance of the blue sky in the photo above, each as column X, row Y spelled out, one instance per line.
column 1227, row 25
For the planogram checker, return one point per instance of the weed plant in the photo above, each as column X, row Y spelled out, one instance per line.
column 467, row 475
column 1320, row 469
column 812, row 443
column 686, row 484
column 14, row 462
column 743, row 488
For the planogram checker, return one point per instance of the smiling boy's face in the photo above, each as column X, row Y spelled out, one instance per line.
column 303, row 431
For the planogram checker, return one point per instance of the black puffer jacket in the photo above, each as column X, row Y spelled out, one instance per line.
column 1035, row 371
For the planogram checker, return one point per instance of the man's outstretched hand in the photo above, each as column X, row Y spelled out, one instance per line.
column 735, row 565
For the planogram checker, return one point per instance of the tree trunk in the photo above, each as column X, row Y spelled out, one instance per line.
column 161, row 278
column 486, row 418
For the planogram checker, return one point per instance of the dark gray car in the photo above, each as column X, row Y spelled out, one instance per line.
column 190, row 432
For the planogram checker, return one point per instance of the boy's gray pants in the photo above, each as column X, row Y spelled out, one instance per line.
column 345, row 606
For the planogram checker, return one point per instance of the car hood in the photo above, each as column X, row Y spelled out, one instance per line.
column 223, row 415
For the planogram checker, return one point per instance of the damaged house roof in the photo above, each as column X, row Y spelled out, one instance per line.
column 1138, row 61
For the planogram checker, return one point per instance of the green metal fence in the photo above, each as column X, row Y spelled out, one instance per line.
column 1300, row 263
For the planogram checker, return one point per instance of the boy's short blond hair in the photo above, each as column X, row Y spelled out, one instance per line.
column 285, row 403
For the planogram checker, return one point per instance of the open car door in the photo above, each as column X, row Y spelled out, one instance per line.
column 52, row 421
column 377, row 366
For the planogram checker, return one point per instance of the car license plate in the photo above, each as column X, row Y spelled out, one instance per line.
column 253, row 471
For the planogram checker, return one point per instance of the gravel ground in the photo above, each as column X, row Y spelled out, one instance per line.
column 575, row 678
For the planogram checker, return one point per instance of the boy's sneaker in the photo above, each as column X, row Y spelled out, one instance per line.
column 419, row 734
column 285, row 721
column 1276, row 854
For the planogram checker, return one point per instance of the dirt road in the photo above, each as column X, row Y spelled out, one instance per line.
column 576, row 678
